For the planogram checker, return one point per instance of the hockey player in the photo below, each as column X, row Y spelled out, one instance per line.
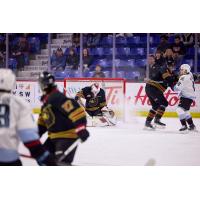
column 98, row 112
column 62, row 117
column 17, row 124
column 159, row 79
column 186, row 88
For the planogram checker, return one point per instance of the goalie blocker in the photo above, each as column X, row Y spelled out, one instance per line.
column 98, row 114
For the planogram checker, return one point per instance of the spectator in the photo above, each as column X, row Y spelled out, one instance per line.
column 163, row 43
column 76, row 39
column 98, row 73
column 169, row 56
column 93, row 39
column 16, row 52
column 159, row 60
column 87, row 59
column 72, row 60
column 58, row 61
column 24, row 45
column 188, row 39
column 179, row 50
column 151, row 61
column 2, row 51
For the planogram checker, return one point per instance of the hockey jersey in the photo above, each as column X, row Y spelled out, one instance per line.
column 186, row 86
column 16, row 124
column 93, row 103
column 60, row 116
column 161, row 77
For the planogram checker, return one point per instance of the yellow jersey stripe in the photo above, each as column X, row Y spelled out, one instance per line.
column 76, row 112
column 79, row 116
column 63, row 134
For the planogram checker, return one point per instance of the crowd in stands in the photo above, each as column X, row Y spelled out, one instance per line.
column 22, row 46
column 2, row 51
column 97, row 55
column 130, row 52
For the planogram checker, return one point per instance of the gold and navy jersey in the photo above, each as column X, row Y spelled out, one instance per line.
column 61, row 116
column 92, row 103
column 160, row 77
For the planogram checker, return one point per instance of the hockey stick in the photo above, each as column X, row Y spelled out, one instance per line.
column 66, row 153
column 69, row 150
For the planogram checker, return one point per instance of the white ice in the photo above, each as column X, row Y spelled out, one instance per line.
column 127, row 144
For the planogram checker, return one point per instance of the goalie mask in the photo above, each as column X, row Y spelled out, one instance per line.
column 95, row 88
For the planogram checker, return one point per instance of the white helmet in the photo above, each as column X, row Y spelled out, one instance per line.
column 7, row 80
column 95, row 88
column 185, row 67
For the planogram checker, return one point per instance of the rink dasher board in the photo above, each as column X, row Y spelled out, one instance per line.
column 136, row 100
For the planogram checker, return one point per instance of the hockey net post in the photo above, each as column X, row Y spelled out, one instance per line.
column 115, row 89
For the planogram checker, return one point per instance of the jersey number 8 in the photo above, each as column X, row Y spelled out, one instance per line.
column 4, row 116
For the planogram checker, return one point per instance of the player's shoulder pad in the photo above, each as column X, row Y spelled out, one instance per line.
column 21, row 103
column 56, row 97
column 183, row 77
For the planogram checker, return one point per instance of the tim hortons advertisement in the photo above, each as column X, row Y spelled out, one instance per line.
column 137, row 99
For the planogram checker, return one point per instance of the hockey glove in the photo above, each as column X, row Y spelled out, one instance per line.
column 46, row 159
column 83, row 135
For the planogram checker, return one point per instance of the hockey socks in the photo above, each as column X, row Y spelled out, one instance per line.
column 159, row 112
column 149, row 118
column 151, row 115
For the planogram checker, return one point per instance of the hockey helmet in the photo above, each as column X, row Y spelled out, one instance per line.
column 46, row 81
column 7, row 80
column 185, row 67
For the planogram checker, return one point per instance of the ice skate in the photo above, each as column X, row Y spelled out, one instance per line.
column 149, row 126
column 183, row 129
column 192, row 128
column 159, row 124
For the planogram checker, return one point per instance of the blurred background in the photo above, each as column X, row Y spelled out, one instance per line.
column 109, row 55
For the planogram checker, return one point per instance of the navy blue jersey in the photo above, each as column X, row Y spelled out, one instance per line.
column 93, row 103
column 60, row 116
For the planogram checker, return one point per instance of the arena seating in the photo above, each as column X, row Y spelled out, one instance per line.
column 130, row 53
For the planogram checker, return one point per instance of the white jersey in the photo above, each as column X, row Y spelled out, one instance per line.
column 16, row 124
column 186, row 86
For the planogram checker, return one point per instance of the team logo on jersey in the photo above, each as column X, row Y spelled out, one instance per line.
column 93, row 102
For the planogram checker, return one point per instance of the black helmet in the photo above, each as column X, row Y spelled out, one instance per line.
column 46, row 81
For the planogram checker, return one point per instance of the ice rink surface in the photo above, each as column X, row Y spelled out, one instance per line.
column 127, row 144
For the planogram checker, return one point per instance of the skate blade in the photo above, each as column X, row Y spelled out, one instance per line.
column 159, row 126
column 193, row 131
column 184, row 132
column 149, row 129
